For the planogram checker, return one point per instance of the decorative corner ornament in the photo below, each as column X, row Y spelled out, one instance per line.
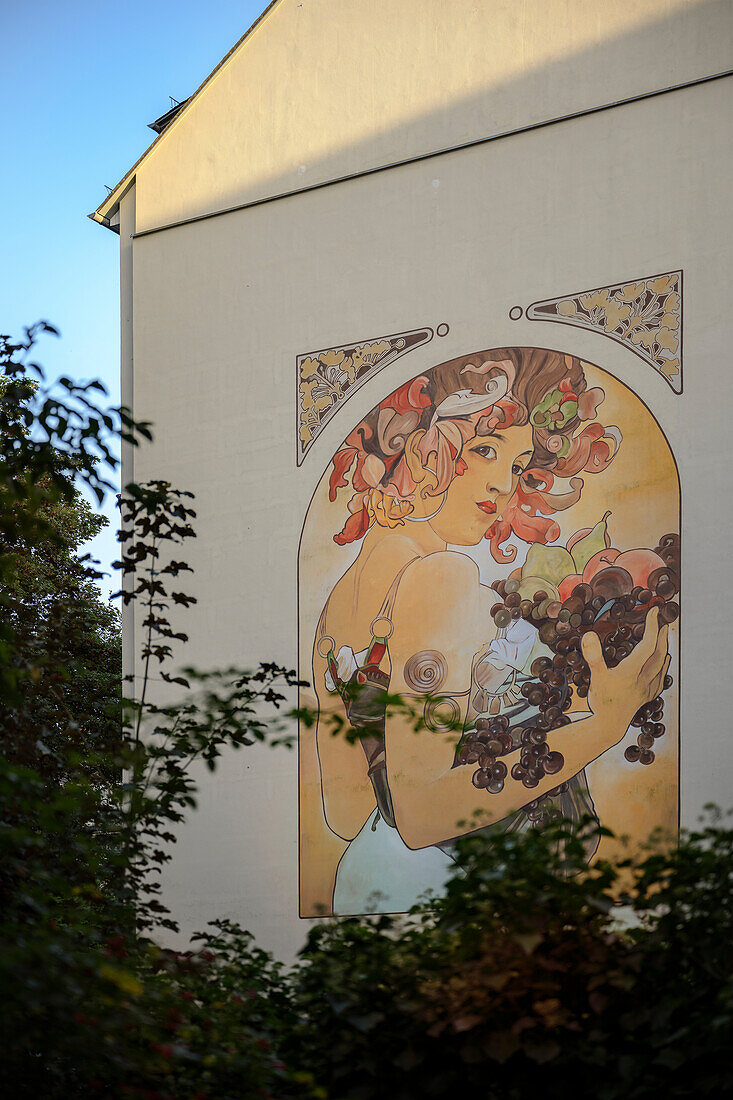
column 644, row 315
column 328, row 378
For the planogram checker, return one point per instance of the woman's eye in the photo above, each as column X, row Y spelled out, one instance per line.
column 485, row 451
column 517, row 470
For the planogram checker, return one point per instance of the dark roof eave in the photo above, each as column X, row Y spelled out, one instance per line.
column 160, row 124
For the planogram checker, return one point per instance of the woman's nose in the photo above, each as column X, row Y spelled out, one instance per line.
column 502, row 481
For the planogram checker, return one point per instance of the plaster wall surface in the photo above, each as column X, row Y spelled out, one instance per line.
column 222, row 308
column 322, row 89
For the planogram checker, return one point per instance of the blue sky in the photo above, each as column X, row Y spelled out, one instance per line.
column 78, row 85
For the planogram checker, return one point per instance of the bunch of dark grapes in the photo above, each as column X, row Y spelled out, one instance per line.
column 615, row 609
column 492, row 737
column 483, row 746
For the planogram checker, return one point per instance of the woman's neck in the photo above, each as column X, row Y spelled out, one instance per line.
column 420, row 534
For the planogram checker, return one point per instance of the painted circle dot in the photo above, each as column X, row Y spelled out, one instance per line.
column 442, row 329
column 515, row 312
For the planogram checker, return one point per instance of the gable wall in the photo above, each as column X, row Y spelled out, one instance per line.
column 215, row 313
column 222, row 309
column 325, row 88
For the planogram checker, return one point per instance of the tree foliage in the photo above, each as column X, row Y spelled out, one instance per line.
column 521, row 979
column 67, row 637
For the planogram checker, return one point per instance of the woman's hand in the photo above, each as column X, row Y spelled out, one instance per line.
column 617, row 693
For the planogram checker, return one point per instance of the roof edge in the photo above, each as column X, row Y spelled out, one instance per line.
column 96, row 217
column 106, row 210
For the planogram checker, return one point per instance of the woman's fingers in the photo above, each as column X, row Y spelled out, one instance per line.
column 650, row 669
column 592, row 650
column 648, row 655
column 650, row 661
column 650, row 638
column 657, row 686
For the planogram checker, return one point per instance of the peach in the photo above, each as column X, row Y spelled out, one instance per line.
column 600, row 561
column 566, row 587
column 640, row 564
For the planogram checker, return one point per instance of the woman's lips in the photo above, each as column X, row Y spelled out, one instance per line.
column 487, row 506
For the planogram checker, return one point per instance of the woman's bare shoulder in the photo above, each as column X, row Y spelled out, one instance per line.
column 438, row 610
column 443, row 567
column 438, row 591
column 390, row 554
column 369, row 579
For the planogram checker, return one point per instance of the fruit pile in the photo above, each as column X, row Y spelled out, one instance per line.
column 565, row 592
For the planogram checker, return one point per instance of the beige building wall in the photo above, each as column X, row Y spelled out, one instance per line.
column 216, row 311
column 320, row 89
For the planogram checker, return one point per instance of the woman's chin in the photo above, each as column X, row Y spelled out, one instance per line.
column 462, row 529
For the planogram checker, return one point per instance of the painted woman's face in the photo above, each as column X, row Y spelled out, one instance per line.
column 477, row 496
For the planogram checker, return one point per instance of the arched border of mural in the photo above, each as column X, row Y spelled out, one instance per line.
column 307, row 673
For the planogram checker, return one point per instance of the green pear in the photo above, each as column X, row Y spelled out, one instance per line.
column 531, row 584
column 596, row 540
column 551, row 563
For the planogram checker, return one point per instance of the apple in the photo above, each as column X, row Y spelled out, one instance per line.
column 600, row 561
column 639, row 563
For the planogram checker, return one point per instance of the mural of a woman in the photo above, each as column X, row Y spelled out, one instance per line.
column 474, row 448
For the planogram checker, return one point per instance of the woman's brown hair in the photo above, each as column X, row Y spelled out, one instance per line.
column 545, row 388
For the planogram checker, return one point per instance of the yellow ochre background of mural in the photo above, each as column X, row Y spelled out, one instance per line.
column 641, row 490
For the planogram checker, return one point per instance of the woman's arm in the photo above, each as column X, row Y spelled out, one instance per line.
column 346, row 790
column 439, row 610
column 348, row 795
